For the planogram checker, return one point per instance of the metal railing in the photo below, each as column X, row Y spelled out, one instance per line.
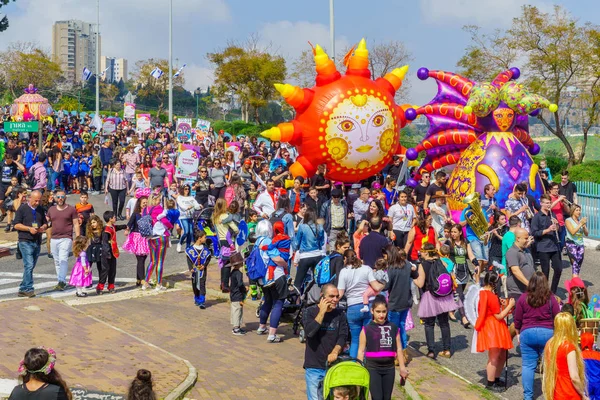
column 588, row 196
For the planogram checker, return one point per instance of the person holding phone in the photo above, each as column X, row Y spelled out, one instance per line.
column 326, row 331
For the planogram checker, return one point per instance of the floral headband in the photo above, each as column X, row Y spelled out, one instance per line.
column 143, row 192
column 46, row 369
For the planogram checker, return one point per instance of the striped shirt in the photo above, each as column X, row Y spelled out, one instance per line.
column 116, row 180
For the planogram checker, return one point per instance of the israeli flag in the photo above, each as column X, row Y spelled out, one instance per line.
column 156, row 73
column 86, row 74
column 179, row 71
column 104, row 72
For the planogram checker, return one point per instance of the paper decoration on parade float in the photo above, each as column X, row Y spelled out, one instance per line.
column 349, row 122
column 482, row 129
column 30, row 106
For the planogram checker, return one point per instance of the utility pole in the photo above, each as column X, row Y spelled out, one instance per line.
column 171, row 61
column 331, row 31
column 98, row 58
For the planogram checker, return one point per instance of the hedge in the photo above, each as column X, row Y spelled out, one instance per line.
column 587, row 172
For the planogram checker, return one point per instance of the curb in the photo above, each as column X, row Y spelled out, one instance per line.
column 462, row 378
column 408, row 388
column 184, row 386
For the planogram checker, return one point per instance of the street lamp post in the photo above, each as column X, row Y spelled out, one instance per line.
column 197, row 93
column 331, row 31
column 171, row 61
column 98, row 57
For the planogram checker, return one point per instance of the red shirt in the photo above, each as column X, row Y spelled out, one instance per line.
column 564, row 389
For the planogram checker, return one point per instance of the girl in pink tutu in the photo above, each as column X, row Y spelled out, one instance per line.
column 81, row 275
column 135, row 243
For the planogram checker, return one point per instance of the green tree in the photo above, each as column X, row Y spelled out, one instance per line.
column 24, row 63
column 109, row 92
column 4, row 20
column 152, row 90
column 249, row 75
column 560, row 63
column 68, row 103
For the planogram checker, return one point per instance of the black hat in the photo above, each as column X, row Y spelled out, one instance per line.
column 336, row 193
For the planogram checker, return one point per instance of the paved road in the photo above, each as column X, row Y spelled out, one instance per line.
column 472, row 366
column 11, row 270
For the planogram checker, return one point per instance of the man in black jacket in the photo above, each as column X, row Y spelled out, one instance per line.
column 544, row 228
column 326, row 330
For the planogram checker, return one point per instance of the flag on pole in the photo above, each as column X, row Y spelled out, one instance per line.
column 156, row 73
column 179, row 71
column 86, row 74
column 104, row 72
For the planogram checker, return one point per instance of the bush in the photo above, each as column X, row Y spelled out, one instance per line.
column 587, row 172
column 555, row 163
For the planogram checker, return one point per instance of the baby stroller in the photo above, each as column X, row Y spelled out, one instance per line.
column 311, row 296
column 346, row 371
column 291, row 304
column 202, row 221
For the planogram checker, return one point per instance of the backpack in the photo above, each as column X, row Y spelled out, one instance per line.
column 439, row 281
column 30, row 179
column 145, row 225
column 257, row 269
column 277, row 216
column 323, row 269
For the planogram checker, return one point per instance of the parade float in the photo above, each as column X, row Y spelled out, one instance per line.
column 30, row 106
column 348, row 122
column 482, row 130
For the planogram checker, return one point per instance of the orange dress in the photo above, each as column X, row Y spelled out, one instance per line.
column 491, row 333
column 564, row 389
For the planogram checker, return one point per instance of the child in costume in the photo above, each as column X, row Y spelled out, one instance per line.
column 492, row 331
column 591, row 359
column 198, row 258
column 110, row 253
column 253, row 221
column 252, row 195
column 81, row 275
column 237, row 293
column 280, row 246
column 159, row 242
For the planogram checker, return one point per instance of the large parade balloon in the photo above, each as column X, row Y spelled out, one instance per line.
column 349, row 122
column 484, row 130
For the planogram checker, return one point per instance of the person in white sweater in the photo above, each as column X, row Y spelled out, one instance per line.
column 186, row 204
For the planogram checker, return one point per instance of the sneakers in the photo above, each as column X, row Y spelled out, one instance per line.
column 179, row 248
column 8, row 228
column 82, row 294
column 60, row 286
column 261, row 331
column 160, row 288
column 238, row 331
column 202, row 306
column 274, row 339
column 365, row 309
column 27, row 294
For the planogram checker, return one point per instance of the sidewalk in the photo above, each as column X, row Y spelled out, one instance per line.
column 91, row 355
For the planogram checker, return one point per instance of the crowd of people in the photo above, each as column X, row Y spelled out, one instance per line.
column 383, row 247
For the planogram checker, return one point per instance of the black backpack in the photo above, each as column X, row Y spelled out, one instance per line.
column 277, row 216
column 30, row 180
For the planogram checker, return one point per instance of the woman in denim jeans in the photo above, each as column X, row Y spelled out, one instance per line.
column 398, row 287
column 534, row 323
column 353, row 282
column 308, row 241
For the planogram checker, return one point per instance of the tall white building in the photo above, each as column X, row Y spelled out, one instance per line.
column 74, row 47
column 117, row 69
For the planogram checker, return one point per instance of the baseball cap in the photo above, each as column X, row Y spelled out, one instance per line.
column 248, row 162
column 336, row 193
column 159, row 158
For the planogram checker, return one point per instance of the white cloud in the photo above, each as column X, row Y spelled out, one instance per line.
column 133, row 29
column 198, row 77
column 290, row 39
column 496, row 13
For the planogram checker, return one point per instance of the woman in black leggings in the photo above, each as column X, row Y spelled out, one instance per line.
column 379, row 346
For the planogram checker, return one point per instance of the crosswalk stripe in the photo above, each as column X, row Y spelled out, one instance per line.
column 7, row 281
column 37, row 286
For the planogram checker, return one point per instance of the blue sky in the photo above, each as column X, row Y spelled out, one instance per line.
column 138, row 29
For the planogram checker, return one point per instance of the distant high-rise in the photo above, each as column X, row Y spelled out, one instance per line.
column 74, row 47
column 117, row 69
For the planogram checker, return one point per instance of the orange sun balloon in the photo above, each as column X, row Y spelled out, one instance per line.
column 350, row 123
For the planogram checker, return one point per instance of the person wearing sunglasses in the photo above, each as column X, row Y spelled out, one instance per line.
column 203, row 186
column 219, row 177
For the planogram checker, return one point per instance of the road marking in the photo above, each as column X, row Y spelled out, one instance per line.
column 37, row 286
column 7, row 281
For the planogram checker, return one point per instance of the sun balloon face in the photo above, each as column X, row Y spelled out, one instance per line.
column 360, row 132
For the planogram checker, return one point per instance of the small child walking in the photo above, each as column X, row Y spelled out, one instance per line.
column 198, row 258
column 81, row 275
column 237, row 293
column 380, row 273
column 110, row 253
